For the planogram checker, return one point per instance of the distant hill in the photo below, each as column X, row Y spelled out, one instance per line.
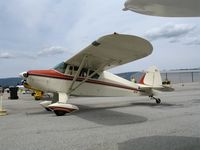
column 6, row 82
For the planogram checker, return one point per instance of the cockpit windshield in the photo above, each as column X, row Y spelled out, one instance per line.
column 61, row 67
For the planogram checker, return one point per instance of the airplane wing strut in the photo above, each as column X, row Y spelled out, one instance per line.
column 92, row 74
column 77, row 73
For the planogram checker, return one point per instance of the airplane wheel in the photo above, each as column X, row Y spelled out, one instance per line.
column 158, row 100
column 48, row 109
column 59, row 112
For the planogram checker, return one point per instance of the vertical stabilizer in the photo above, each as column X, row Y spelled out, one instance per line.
column 152, row 78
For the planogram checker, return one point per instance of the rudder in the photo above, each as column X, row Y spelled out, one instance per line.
column 152, row 77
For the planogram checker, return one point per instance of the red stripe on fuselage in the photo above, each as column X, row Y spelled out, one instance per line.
column 58, row 75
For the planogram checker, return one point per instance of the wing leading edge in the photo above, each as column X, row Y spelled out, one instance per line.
column 112, row 50
column 165, row 8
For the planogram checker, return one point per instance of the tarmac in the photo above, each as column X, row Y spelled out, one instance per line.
column 106, row 123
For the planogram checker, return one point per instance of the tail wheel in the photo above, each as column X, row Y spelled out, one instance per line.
column 158, row 100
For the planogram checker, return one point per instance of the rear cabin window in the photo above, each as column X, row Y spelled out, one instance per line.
column 95, row 76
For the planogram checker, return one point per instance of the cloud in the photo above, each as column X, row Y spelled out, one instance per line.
column 27, row 29
column 27, row 33
column 193, row 41
column 51, row 51
column 170, row 31
column 6, row 55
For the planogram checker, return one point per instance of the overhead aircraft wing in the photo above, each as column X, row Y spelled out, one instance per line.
column 112, row 50
column 165, row 8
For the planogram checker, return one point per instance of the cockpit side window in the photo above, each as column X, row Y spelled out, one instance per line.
column 71, row 70
column 84, row 72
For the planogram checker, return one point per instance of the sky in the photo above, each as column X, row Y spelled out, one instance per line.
column 38, row 34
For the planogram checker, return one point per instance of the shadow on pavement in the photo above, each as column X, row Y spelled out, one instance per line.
column 161, row 143
column 104, row 116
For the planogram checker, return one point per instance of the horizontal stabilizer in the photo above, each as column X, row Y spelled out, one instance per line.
column 152, row 80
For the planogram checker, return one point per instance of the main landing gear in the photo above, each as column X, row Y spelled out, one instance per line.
column 61, row 107
column 158, row 100
column 58, row 108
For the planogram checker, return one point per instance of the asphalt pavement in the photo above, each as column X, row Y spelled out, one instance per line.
column 106, row 123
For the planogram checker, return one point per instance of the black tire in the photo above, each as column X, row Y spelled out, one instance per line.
column 158, row 101
column 59, row 112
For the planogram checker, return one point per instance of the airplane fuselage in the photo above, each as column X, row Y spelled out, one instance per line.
column 107, row 84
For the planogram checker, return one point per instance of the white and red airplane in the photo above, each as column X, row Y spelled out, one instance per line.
column 165, row 8
column 84, row 74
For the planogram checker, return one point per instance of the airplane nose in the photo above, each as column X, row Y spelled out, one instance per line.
column 23, row 75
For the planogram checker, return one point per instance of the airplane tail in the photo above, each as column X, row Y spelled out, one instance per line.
column 151, row 83
column 152, row 78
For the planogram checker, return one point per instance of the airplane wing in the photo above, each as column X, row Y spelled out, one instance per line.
column 112, row 50
column 165, row 8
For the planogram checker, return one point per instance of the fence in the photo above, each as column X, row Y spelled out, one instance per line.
column 181, row 76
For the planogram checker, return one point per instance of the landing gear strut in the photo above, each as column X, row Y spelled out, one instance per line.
column 158, row 101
